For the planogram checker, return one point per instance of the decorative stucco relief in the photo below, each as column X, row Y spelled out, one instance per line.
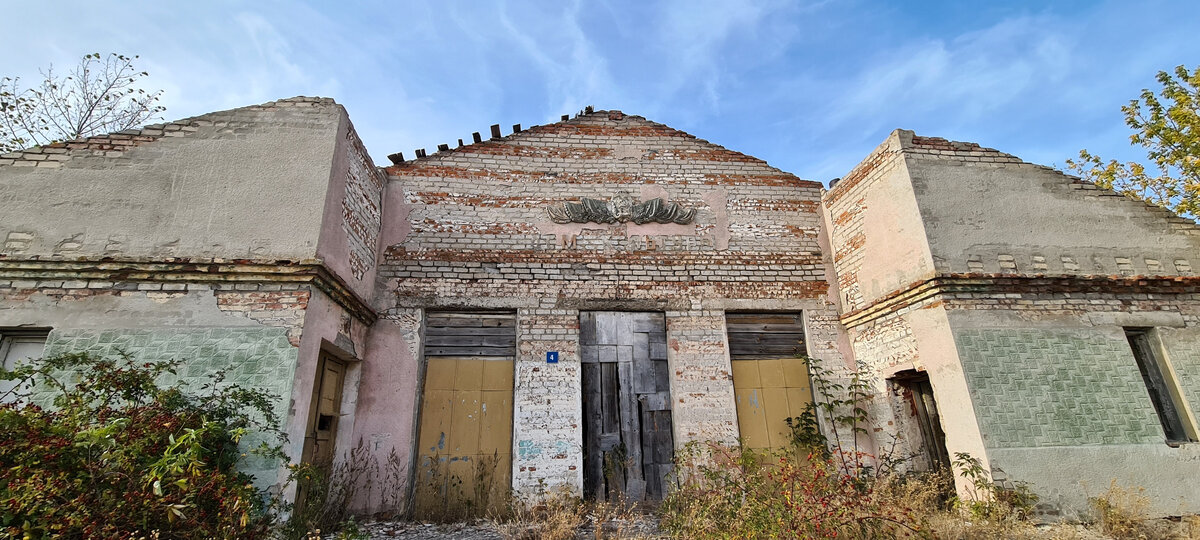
column 621, row 209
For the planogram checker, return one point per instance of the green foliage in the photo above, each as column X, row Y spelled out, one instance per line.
column 841, row 402
column 99, row 96
column 729, row 492
column 1168, row 126
column 986, row 500
column 117, row 456
column 806, row 432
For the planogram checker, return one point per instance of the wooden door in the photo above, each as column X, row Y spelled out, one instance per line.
column 628, row 443
column 919, row 394
column 464, row 446
column 322, row 434
column 770, row 379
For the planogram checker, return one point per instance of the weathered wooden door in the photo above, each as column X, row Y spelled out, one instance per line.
column 320, row 439
column 919, row 394
column 464, row 464
column 628, row 444
column 322, row 435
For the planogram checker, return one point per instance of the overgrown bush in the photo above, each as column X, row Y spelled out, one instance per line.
column 737, row 492
column 116, row 456
column 1123, row 512
column 552, row 515
column 985, row 500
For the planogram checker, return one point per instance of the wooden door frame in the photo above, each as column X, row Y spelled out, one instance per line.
column 323, row 356
column 409, row 506
column 930, row 426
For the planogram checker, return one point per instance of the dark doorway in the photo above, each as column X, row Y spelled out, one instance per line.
column 628, row 444
column 918, row 394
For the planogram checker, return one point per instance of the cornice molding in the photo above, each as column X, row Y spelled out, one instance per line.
column 310, row 271
column 940, row 284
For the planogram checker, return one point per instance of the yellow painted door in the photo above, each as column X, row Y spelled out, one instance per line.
column 768, row 392
column 464, row 463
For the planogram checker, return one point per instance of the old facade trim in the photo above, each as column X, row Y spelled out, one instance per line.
column 195, row 270
column 952, row 283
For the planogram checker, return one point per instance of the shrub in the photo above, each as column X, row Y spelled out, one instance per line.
column 551, row 515
column 116, row 456
column 736, row 492
column 987, row 501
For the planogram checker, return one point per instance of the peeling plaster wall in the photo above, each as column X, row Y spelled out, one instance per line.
column 986, row 211
column 280, row 183
column 1025, row 351
column 248, row 183
column 350, row 230
column 876, row 234
column 468, row 229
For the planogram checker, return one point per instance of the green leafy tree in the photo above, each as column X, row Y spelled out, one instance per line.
column 100, row 95
column 1167, row 124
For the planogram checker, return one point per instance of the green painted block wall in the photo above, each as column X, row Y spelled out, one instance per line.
column 1048, row 387
column 258, row 357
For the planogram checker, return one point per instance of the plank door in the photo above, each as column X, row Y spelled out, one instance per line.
column 322, row 434
column 464, row 446
column 628, row 443
column 320, row 439
column 770, row 380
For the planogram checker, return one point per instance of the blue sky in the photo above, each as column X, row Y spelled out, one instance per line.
column 811, row 87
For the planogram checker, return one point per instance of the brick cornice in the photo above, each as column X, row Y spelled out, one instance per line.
column 919, row 291
column 310, row 271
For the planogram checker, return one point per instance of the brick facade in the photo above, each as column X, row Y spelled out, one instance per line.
column 478, row 237
column 1015, row 308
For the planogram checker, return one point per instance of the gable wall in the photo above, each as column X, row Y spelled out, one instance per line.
column 468, row 229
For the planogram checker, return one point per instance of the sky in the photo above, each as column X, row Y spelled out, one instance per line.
column 809, row 86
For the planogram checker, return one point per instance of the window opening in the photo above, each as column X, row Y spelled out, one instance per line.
column 1162, row 392
column 17, row 347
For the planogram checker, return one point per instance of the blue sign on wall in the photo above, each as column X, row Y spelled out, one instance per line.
column 551, row 357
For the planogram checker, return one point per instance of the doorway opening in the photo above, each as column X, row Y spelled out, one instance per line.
column 918, row 395
column 628, row 443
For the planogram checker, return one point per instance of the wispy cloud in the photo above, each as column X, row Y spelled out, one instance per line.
column 811, row 87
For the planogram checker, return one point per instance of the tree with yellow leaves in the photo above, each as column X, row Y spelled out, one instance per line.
column 1167, row 124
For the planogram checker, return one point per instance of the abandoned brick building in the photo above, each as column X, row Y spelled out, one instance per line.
column 604, row 289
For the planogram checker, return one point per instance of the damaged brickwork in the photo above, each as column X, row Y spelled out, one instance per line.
column 478, row 236
column 264, row 240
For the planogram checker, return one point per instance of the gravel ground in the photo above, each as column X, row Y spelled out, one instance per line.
column 643, row 527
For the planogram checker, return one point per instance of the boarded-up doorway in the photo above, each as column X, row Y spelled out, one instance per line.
column 918, row 394
column 464, row 462
column 770, row 379
column 628, row 444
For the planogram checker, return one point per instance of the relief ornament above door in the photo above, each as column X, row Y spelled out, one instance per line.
column 621, row 208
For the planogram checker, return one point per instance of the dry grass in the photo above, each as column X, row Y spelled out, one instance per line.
column 560, row 515
column 553, row 516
